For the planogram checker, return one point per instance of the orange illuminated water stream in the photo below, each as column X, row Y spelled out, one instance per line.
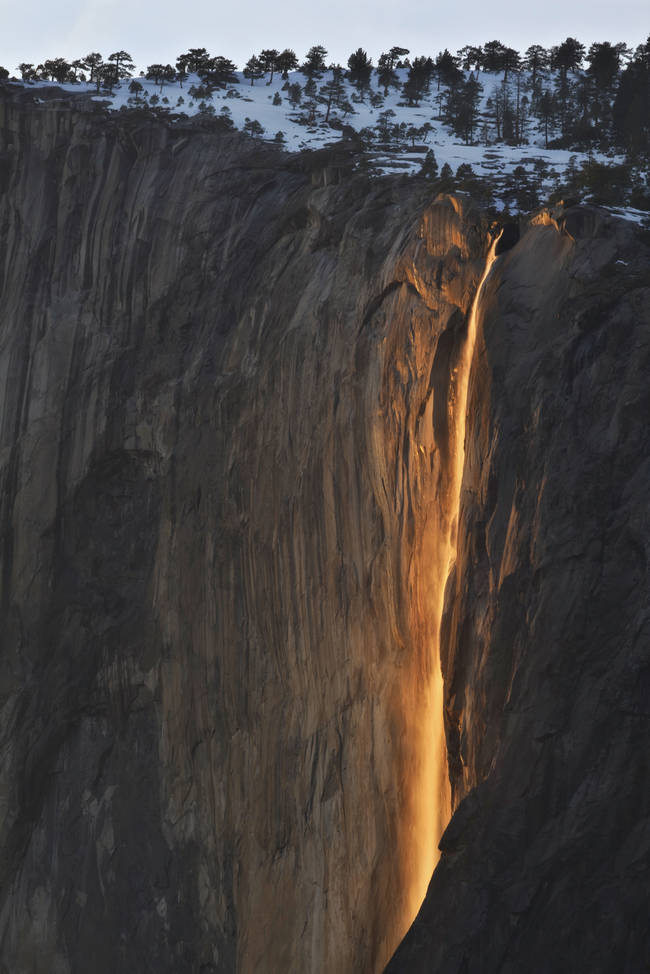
column 434, row 800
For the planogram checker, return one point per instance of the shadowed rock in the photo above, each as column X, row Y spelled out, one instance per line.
column 227, row 423
column 546, row 641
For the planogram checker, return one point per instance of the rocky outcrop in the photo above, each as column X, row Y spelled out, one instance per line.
column 224, row 456
column 546, row 646
column 229, row 424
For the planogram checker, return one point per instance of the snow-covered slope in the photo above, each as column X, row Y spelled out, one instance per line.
column 268, row 104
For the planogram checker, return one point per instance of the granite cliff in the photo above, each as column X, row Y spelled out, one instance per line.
column 546, row 638
column 229, row 448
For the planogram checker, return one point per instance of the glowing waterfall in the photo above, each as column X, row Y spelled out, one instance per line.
column 459, row 405
column 434, row 809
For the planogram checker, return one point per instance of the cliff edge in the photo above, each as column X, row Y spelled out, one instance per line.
column 229, row 424
column 220, row 472
column 546, row 649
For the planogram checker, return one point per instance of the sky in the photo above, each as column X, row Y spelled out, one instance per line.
column 33, row 30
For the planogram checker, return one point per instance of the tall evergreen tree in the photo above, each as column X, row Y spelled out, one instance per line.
column 429, row 167
column 604, row 62
column 359, row 69
column 535, row 60
column 161, row 74
column 546, row 112
column 471, row 57
column 294, row 94
column 78, row 69
column 447, row 69
column 386, row 74
column 123, row 63
column 218, row 72
column 396, row 54
column 314, row 64
column 195, row 60
column 136, row 89
column 510, row 61
column 631, row 109
column 93, row 63
column 27, row 71
column 310, row 103
column 107, row 77
column 493, row 55
column 568, row 56
column 182, row 69
column 56, row 69
column 565, row 102
column 254, row 69
column 418, row 80
column 286, row 62
column 461, row 109
column 269, row 59
column 332, row 92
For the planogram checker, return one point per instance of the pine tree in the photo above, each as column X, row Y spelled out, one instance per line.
column 510, row 62
column 286, row 62
column 123, row 63
column 568, row 56
column 564, row 100
column 57, row 69
column 418, row 80
column 546, row 111
column 385, row 125
column 396, row 54
column 161, row 74
column 461, row 108
column 604, row 63
column 521, row 111
column 254, row 69
column 194, row 61
column 218, row 72
column 253, row 128
column 107, row 77
column 136, row 90
column 314, row 66
column 535, row 60
column 93, row 62
column 27, row 71
column 386, row 74
column 294, row 94
column 360, row 69
column 493, row 55
column 429, row 167
column 269, row 59
column 631, row 108
column 446, row 183
column 469, row 56
column 77, row 68
column 332, row 92
column 447, row 69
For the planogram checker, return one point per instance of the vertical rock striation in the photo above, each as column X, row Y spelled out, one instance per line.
column 546, row 634
column 224, row 462
column 230, row 389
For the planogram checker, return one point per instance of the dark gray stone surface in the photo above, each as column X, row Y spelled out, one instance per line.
column 228, row 382
column 547, row 638
column 219, row 478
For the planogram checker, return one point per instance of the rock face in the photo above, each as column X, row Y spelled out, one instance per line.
column 546, row 641
column 225, row 438
column 228, row 429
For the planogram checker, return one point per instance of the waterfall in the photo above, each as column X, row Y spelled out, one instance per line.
column 435, row 794
column 458, row 406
